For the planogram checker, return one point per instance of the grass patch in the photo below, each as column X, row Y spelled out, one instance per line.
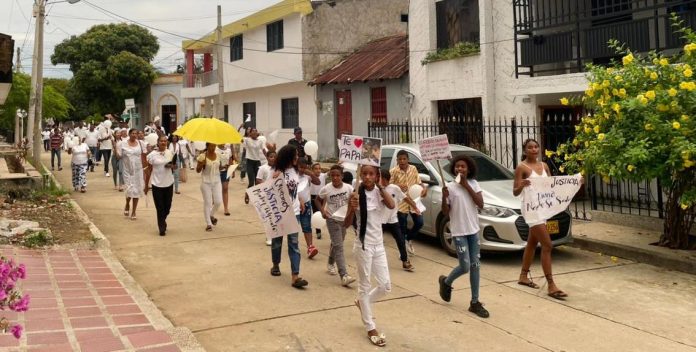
column 460, row 49
column 37, row 239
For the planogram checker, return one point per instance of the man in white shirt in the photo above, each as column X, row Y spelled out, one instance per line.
column 105, row 145
column 46, row 137
column 92, row 141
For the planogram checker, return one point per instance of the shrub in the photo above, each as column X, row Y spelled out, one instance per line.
column 460, row 49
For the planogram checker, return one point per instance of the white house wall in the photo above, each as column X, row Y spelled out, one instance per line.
column 268, row 109
column 260, row 68
column 489, row 75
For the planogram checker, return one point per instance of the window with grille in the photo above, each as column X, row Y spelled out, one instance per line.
column 379, row 104
column 236, row 48
column 274, row 36
column 290, row 112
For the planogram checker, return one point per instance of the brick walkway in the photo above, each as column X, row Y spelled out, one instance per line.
column 78, row 304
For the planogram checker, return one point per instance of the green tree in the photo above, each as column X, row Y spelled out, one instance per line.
column 110, row 63
column 55, row 105
column 643, row 127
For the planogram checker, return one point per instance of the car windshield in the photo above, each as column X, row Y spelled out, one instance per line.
column 488, row 169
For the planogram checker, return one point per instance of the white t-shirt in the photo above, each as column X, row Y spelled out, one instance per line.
column 81, row 132
column 463, row 212
column 182, row 146
column 398, row 195
column 292, row 178
column 304, row 189
column 79, row 154
column 265, row 173
column 45, row 135
column 105, row 133
column 92, row 138
column 375, row 210
column 254, row 148
column 315, row 189
column 161, row 176
column 335, row 198
column 225, row 155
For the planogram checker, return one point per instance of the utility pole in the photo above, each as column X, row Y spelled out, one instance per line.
column 18, row 117
column 18, row 65
column 219, row 107
column 36, row 96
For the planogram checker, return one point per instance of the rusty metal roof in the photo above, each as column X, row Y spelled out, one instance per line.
column 385, row 58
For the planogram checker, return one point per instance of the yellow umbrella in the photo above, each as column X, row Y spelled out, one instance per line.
column 209, row 130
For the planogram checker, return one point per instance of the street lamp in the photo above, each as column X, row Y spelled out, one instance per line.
column 36, row 96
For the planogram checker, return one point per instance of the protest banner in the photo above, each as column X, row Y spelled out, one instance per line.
column 435, row 148
column 548, row 196
column 360, row 150
column 274, row 205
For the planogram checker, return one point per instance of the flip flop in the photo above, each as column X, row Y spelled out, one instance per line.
column 559, row 295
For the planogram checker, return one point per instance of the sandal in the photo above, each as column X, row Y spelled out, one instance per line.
column 213, row 220
column 275, row 270
column 227, row 213
column 300, row 283
column 558, row 294
column 377, row 340
column 209, row 228
column 133, row 217
column 246, row 199
column 529, row 283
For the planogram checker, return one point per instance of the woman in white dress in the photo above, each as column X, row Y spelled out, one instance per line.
column 133, row 152
column 80, row 156
column 209, row 167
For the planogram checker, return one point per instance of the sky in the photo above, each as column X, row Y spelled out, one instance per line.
column 184, row 19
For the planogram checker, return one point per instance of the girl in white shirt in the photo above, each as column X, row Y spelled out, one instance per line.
column 370, row 256
column 80, row 157
column 160, row 176
column 211, row 187
column 461, row 200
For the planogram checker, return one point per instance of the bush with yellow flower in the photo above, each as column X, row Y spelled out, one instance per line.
column 642, row 126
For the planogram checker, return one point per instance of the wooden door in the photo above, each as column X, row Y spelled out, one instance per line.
column 344, row 113
column 168, row 116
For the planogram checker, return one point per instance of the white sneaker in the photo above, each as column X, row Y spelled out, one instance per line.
column 409, row 247
column 331, row 268
column 347, row 280
column 268, row 242
column 106, row 174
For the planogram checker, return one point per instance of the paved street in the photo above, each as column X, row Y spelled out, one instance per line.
column 217, row 284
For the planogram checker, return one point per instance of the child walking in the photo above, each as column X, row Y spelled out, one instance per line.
column 316, row 170
column 371, row 258
column 307, row 179
column 460, row 200
column 332, row 197
column 391, row 220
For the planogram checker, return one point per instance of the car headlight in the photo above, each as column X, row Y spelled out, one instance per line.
column 498, row 212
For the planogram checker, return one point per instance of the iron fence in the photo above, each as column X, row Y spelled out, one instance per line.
column 502, row 139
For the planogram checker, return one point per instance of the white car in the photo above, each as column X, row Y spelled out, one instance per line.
column 502, row 226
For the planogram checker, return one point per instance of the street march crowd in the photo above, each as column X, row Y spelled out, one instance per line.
column 292, row 193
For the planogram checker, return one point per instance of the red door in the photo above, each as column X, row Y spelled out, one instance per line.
column 344, row 112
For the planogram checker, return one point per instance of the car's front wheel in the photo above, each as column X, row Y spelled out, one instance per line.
column 445, row 235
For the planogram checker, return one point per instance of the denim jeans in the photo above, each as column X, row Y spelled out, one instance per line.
column 293, row 252
column 410, row 235
column 468, row 254
column 117, row 171
column 94, row 151
column 55, row 153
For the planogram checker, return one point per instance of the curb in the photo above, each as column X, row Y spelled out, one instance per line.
column 636, row 254
column 182, row 336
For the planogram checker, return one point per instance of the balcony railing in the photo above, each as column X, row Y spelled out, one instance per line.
column 200, row 80
column 563, row 36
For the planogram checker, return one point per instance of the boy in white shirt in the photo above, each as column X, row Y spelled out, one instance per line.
column 333, row 197
column 461, row 200
column 391, row 221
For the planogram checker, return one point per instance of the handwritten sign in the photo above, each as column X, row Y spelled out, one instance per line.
column 275, row 207
column 435, row 148
column 360, row 150
column 548, row 196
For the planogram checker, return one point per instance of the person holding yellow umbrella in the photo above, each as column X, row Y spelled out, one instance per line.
column 214, row 132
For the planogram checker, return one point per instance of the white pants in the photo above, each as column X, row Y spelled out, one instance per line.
column 371, row 261
column 212, row 198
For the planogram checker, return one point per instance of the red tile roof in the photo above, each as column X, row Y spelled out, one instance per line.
column 385, row 58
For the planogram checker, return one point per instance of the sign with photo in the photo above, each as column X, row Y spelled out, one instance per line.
column 274, row 205
column 435, row 148
column 548, row 196
column 360, row 150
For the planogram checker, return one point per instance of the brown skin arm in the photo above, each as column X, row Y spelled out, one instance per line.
column 520, row 181
column 352, row 205
column 387, row 198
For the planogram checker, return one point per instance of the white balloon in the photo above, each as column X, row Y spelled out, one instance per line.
column 311, row 148
column 199, row 145
column 151, row 139
column 318, row 221
column 263, row 140
column 107, row 123
column 273, row 136
column 415, row 192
